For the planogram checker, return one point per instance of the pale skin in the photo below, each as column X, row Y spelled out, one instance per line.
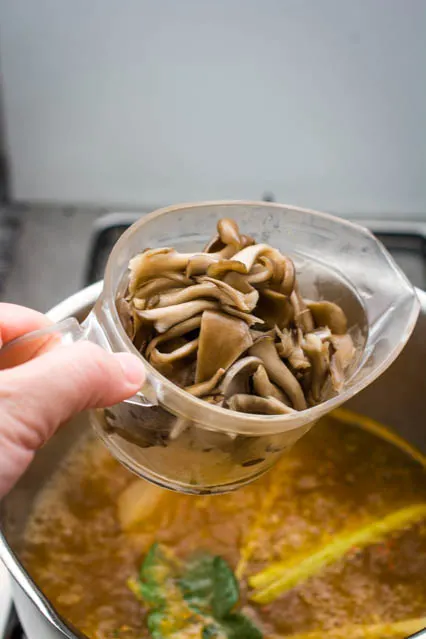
column 47, row 386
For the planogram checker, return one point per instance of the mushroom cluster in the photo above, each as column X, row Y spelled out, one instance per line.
column 230, row 326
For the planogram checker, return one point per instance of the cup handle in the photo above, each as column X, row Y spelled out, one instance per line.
column 70, row 331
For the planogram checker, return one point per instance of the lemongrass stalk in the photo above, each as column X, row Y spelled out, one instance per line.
column 282, row 576
column 390, row 630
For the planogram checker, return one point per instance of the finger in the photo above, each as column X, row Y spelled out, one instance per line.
column 16, row 321
column 36, row 397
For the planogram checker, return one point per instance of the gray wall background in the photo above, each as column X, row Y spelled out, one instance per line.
column 144, row 102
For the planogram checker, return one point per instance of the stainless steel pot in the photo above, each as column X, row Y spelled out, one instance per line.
column 398, row 399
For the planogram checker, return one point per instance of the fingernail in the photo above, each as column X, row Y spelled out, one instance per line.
column 133, row 368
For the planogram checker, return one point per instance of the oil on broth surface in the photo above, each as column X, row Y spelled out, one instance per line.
column 338, row 477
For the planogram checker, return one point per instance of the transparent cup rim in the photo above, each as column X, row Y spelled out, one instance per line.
column 214, row 417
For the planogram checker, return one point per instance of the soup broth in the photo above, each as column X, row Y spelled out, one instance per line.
column 86, row 538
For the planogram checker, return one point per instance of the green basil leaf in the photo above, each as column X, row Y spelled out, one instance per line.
column 225, row 588
column 154, row 622
column 151, row 593
column 152, row 558
column 238, row 626
column 209, row 585
column 196, row 597
column 211, row 632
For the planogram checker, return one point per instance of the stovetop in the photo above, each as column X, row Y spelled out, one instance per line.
column 406, row 241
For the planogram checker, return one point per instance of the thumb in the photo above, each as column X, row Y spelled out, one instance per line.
column 36, row 397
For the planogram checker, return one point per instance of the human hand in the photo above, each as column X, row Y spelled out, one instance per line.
column 48, row 385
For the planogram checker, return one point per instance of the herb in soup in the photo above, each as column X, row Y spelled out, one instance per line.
column 191, row 599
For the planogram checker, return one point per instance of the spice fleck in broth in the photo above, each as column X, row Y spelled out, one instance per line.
column 287, row 537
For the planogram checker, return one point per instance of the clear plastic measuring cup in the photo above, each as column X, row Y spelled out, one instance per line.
column 181, row 442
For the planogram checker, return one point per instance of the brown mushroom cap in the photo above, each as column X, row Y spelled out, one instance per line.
column 263, row 386
column 206, row 388
column 164, row 318
column 342, row 355
column 318, row 353
column 158, row 357
column 302, row 314
column 217, row 269
column 275, row 309
column 232, row 296
column 178, row 330
column 237, row 378
column 258, row 405
column 214, row 353
column 159, row 285
column 329, row 314
column 290, row 349
column 278, row 372
column 249, row 319
column 152, row 264
column 229, row 232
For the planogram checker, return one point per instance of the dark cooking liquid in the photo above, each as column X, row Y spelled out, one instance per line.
column 337, row 477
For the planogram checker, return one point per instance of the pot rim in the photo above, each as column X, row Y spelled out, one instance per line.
column 73, row 305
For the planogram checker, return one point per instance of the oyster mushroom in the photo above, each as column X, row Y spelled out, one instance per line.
column 159, row 285
column 343, row 352
column 178, row 330
column 258, row 405
column 261, row 272
column 329, row 314
column 278, row 372
column 302, row 314
column 128, row 317
column 217, row 400
column 250, row 254
column 229, row 232
column 196, row 291
column 157, row 357
column 164, row 318
column 153, row 263
column 233, row 316
column 240, row 283
column 247, row 240
column 290, row 349
column 289, row 278
column 263, row 386
column 214, row 353
column 206, row 388
column 237, row 378
column 199, row 263
column 217, row 269
column 249, row 319
column 319, row 355
column 232, row 296
column 275, row 309
column 175, row 361
column 323, row 333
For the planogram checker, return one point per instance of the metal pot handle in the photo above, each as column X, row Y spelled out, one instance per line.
column 70, row 331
